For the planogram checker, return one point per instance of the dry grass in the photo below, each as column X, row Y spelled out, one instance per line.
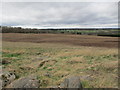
column 97, row 63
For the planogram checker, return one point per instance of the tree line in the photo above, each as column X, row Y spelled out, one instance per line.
column 84, row 31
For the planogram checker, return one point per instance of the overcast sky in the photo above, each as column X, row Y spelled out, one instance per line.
column 60, row 14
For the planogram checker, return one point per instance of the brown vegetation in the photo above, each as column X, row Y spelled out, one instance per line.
column 80, row 40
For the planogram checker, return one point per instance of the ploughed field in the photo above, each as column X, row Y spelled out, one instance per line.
column 80, row 40
column 54, row 57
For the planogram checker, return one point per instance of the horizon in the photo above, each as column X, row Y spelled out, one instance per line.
column 62, row 27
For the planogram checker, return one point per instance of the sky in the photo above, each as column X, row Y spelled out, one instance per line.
column 60, row 14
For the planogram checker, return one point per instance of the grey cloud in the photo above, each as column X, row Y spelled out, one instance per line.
column 60, row 0
column 44, row 13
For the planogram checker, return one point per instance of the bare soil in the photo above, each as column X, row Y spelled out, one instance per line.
column 80, row 40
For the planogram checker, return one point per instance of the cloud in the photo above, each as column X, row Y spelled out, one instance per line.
column 82, row 14
column 60, row 1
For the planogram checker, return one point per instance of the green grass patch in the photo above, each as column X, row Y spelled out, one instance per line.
column 10, row 54
column 86, row 84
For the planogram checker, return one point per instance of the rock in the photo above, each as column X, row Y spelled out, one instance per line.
column 38, row 53
column 0, row 84
column 86, row 78
column 26, row 68
column 47, row 74
column 71, row 82
column 44, row 82
column 38, row 59
column 5, row 62
column 73, row 62
column 54, row 87
column 43, row 62
column 6, row 78
column 26, row 82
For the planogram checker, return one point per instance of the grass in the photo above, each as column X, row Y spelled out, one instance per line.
column 64, row 60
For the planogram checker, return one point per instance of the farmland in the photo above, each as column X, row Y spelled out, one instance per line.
column 93, row 58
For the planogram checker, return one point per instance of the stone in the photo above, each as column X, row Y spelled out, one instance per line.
column 54, row 87
column 47, row 74
column 26, row 82
column 71, row 82
column 6, row 78
column 5, row 62
column 43, row 62
column 88, row 77
column 27, row 68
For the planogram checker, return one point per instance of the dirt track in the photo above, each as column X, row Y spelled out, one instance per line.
column 81, row 40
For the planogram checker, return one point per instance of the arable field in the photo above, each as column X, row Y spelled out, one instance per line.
column 93, row 58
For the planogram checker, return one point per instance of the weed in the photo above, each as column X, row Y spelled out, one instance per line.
column 86, row 84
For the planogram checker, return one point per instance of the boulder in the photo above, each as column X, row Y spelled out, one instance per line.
column 6, row 78
column 71, row 82
column 26, row 82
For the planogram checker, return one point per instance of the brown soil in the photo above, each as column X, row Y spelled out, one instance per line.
column 81, row 40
